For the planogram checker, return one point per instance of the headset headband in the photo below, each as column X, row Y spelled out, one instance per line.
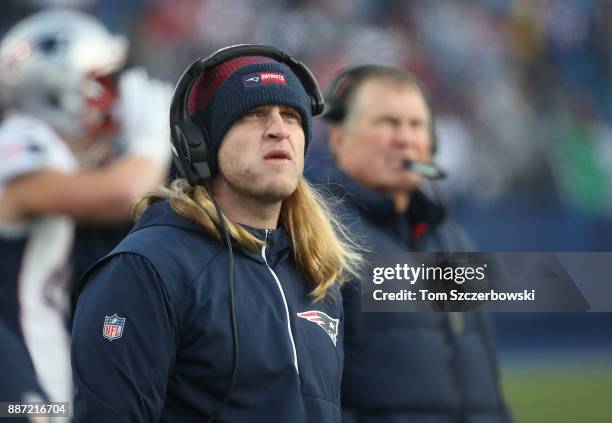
column 178, row 108
column 339, row 88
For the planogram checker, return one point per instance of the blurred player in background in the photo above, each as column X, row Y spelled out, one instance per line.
column 80, row 139
column 401, row 367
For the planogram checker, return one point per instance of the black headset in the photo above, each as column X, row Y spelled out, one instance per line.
column 340, row 89
column 191, row 144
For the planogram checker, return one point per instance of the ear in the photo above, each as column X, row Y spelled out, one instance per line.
column 337, row 137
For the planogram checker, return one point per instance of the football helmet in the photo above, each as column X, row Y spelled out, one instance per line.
column 58, row 65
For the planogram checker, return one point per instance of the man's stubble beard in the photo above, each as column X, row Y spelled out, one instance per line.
column 245, row 183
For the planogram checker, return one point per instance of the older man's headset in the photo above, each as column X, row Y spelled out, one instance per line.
column 194, row 156
column 343, row 86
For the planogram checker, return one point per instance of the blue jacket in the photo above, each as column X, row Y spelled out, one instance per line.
column 418, row 367
column 171, row 359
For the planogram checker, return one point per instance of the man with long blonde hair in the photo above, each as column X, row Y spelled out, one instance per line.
column 177, row 325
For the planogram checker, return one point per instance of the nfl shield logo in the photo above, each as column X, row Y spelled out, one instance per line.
column 113, row 327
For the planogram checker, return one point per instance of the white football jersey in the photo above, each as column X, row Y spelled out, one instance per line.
column 34, row 255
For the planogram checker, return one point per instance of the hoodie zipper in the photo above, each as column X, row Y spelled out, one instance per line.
column 280, row 288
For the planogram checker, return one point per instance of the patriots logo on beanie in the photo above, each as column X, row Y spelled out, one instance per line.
column 228, row 91
column 255, row 79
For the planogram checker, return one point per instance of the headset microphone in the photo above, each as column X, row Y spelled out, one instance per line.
column 428, row 170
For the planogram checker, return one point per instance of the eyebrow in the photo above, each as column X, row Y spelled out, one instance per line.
column 282, row 107
column 387, row 117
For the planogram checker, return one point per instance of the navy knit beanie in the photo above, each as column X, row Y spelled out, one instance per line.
column 228, row 91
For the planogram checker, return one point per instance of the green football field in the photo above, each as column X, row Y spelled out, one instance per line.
column 559, row 390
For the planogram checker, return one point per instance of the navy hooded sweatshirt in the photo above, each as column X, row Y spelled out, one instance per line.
column 419, row 367
column 152, row 338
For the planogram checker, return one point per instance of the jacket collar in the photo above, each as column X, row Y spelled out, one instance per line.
column 162, row 214
column 277, row 243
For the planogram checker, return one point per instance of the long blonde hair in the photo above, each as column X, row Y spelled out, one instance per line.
column 323, row 251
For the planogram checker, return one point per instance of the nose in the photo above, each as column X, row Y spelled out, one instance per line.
column 403, row 136
column 276, row 128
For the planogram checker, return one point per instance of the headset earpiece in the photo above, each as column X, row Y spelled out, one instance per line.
column 192, row 155
column 338, row 90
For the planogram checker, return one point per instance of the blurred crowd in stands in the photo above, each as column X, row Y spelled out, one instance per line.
column 522, row 88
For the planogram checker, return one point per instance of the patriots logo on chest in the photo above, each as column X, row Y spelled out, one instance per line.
column 325, row 322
